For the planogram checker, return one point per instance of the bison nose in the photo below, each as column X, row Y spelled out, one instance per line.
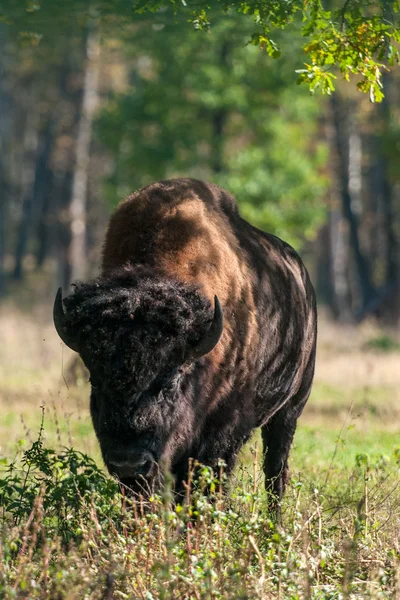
column 130, row 464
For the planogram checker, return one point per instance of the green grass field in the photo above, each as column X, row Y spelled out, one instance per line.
column 66, row 533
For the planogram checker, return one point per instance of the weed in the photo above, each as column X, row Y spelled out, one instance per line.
column 383, row 343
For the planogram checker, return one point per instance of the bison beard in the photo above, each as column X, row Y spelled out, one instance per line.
column 174, row 376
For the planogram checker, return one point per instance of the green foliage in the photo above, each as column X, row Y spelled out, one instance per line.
column 212, row 109
column 55, row 486
column 383, row 343
column 359, row 37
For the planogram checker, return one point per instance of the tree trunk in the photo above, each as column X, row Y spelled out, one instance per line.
column 340, row 266
column 78, row 205
column 218, row 120
column 35, row 198
column 324, row 274
column 392, row 246
column 30, row 148
column 4, row 135
column 367, row 292
column 61, row 232
column 334, row 268
column 60, row 193
column 42, row 231
column 3, row 218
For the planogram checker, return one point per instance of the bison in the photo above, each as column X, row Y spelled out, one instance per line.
column 199, row 329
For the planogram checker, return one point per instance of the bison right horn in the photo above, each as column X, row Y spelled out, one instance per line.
column 213, row 335
column 59, row 322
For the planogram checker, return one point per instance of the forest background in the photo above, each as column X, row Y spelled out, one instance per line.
column 91, row 109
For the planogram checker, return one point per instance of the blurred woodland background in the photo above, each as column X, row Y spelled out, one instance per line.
column 100, row 98
column 92, row 110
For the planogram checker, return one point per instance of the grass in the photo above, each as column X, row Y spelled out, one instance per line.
column 66, row 532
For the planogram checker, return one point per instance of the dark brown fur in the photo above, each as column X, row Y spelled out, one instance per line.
column 260, row 373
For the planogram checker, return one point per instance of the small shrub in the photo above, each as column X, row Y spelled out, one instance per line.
column 383, row 343
column 67, row 482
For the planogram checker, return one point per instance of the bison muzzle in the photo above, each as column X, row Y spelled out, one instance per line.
column 199, row 329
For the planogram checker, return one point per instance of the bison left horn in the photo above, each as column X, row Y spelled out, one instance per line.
column 213, row 335
column 59, row 322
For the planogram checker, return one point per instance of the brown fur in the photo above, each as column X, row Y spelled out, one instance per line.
column 167, row 225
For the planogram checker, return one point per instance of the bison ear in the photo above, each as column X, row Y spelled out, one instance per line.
column 59, row 322
column 213, row 335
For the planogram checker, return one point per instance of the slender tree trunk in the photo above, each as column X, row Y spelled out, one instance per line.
column 390, row 225
column 43, row 223
column 373, row 202
column 340, row 265
column 366, row 288
column 78, row 206
column 60, row 193
column 336, row 245
column 218, row 120
column 34, row 198
column 43, row 185
column 324, row 275
column 62, row 241
column 43, row 172
column 30, row 146
column 42, row 231
column 4, row 134
column 3, row 219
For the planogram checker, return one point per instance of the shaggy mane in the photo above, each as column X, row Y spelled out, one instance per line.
column 136, row 309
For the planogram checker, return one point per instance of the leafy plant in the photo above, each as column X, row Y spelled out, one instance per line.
column 383, row 343
column 65, row 481
column 359, row 37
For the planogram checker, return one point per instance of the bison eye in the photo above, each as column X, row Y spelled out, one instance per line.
column 164, row 383
column 171, row 381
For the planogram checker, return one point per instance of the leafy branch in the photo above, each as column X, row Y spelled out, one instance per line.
column 359, row 37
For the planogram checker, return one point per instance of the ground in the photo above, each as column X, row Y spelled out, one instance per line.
column 340, row 525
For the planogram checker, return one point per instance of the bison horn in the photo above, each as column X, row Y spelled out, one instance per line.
column 213, row 335
column 59, row 322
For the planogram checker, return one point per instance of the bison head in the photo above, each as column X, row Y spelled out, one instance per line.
column 138, row 335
